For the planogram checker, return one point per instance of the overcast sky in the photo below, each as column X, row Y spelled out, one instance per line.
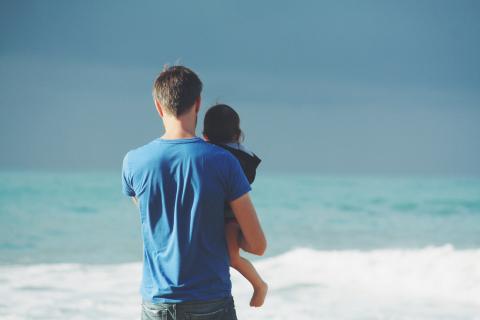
column 332, row 87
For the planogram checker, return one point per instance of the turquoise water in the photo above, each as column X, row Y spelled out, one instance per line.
column 339, row 248
column 84, row 218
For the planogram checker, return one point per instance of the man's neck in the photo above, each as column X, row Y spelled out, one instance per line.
column 176, row 128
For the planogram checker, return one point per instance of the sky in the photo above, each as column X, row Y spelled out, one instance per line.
column 327, row 87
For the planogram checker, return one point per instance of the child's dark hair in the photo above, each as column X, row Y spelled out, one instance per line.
column 222, row 124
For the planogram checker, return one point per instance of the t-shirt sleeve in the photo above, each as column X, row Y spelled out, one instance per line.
column 127, row 183
column 237, row 184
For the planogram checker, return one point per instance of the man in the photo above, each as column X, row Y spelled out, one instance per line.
column 180, row 184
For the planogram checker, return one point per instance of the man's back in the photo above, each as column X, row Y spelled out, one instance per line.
column 182, row 186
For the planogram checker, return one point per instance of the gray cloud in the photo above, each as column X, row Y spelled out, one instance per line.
column 347, row 87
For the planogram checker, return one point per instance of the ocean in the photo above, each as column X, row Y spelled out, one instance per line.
column 338, row 247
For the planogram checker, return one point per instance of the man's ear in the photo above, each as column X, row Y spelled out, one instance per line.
column 197, row 104
column 158, row 106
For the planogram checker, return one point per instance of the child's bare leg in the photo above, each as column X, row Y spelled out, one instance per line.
column 244, row 266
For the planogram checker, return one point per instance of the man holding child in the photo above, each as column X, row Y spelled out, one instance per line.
column 181, row 184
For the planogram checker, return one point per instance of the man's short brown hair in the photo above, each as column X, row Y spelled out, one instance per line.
column 177, row 88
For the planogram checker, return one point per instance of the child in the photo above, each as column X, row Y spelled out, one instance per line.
column 222, row 127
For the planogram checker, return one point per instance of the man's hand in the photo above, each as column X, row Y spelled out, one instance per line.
column 253, row 239
column 135, row 201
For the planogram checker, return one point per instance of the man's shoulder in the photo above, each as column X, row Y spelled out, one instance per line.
column 140, row 150
column 145, row 157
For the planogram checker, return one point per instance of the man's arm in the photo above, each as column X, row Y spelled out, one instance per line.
column 253, row 239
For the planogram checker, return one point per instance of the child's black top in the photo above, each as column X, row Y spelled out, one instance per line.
column 249, row 163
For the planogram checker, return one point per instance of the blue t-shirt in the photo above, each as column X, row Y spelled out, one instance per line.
column 182, row 186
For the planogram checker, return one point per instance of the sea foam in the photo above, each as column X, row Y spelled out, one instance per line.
column 429, row 283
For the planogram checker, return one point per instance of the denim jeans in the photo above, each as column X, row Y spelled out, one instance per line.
column 222, row 309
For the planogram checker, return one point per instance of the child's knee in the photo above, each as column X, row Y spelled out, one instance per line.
column 234, row 260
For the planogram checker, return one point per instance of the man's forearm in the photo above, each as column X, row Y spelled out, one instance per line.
column 253, row 238
column 245, row 246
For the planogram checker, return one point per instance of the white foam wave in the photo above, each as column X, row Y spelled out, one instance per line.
column 429, row 283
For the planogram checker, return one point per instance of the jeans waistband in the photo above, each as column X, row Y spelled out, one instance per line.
column 189, row 303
